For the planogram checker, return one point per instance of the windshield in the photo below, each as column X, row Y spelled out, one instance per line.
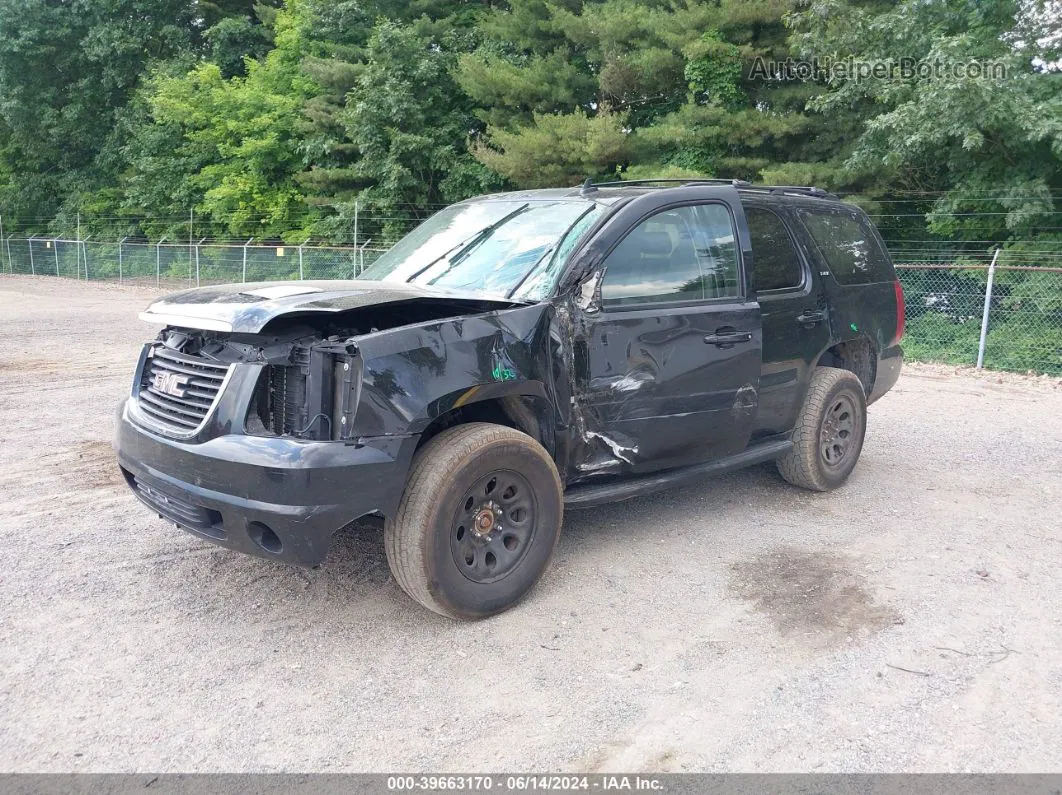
column 507, row 247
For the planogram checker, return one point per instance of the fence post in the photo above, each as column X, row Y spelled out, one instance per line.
column 1, row 240
column 120, row 242
column 84, row 250
column 77, row 249
column 304, row 242
column 56, row 244
column 245, row 245
column 158, row 263
column 359, row 258
column 197, row 245
column 191, row 229
column 988, row 305
column 33, row 269
column 10, row 262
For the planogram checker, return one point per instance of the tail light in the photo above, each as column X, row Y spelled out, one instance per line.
column 900, row 312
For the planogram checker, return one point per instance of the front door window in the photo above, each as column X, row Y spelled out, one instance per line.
column 681, row 254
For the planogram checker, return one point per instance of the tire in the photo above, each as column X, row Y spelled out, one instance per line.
column 829, row 433
column 478, row 522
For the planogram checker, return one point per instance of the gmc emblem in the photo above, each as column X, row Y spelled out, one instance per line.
column 173, row 384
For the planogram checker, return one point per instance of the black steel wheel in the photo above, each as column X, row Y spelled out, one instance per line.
column 478, row 522
column 838, row 431
column 828, row 436
column 494, row 526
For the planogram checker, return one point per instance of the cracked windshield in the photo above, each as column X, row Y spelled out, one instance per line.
column 491, row 247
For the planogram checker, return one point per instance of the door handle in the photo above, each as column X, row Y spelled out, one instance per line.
column 810, row 317
column 728, row 338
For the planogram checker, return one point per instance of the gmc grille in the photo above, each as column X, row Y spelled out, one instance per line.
column 178, row 391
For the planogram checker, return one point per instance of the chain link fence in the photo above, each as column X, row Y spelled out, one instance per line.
column 946, row 310
column 176, row 265
column 946, row 295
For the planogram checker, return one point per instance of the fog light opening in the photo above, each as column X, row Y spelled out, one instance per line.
column 265, row 538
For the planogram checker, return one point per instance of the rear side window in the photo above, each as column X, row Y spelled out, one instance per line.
column 775, row 262
column 683, row 254
column 849, row 244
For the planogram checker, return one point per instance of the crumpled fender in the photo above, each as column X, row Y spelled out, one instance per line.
column 413, row 374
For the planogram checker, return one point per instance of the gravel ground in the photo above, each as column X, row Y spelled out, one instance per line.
column 911, row 621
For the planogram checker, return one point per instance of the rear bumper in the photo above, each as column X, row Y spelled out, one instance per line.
column 274, row 497
column 888, row 372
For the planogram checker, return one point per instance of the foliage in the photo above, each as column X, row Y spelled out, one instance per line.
column 990, row 145
column 233, row 41
column 677, row 76
column 226, row 147
column 713, row 71
column 276, row 118
column 558, row 149
column 407, row 129
column 66, row 71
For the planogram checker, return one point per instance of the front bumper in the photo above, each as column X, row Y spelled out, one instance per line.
column 275, row 497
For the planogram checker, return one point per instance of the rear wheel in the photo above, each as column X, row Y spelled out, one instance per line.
column 478, row 522
column 829, row 433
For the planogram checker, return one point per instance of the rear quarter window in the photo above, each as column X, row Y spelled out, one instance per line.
column 849, row 244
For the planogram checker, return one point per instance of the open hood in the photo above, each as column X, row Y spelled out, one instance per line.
column 247, row 308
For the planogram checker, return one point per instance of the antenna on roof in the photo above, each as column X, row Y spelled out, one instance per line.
column 588, row 187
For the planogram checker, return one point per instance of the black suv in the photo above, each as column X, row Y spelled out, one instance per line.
column 516, row 354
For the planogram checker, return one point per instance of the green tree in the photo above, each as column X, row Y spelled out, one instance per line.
column 409, row 124
column 70, row 73
column 558, row 149
column 674, row 80
column 988, row 142
column 229, row 148
column 235, row 39
column 67, row 71
column 348, row 70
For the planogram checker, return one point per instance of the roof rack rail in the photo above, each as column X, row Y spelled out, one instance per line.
column 671, row 181
column 803, row 190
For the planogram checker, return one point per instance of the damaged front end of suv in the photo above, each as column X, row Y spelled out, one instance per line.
column 264, row 417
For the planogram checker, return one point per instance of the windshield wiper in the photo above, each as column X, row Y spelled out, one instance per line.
column 469, row 243
column 545, row 254
column 549, row 252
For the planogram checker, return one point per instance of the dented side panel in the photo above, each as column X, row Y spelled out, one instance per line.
column 652, row 389
column 654, row 394
column 412, row 375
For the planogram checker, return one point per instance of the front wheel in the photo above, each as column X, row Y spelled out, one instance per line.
column 829, row 433
column 478, row 522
